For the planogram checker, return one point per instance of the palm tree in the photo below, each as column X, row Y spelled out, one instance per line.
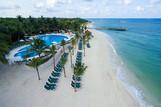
column 70, row 51
column 84, row 44
column 38, row 46
column 73, row 43
column 63, row 61
column 88, row 35
column 19, row 17
column 35, row 62
column 79, row 70
column 63, row 43
column 77, row 36
column 52, row 51
column 25, row 57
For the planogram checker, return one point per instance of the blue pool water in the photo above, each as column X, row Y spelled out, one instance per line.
column 52, row 38
column 49, row 39
column 140, row 50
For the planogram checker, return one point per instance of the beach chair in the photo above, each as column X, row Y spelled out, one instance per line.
column 77, row 78
column 58, row 71
column 53, row 80
column 88, row 45
column 57, row 68
column 59, row 65
column 55, row 74
column 78, row 84
column 49, row 86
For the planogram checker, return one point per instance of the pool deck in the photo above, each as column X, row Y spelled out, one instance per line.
column 12, row 58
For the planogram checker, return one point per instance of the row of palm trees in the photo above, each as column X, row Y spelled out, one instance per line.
column 86, row 38
column 79, row 68
column 39, row 47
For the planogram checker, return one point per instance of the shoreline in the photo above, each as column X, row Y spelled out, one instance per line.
column 123, row 74
column 100, row 86
column 115, row 59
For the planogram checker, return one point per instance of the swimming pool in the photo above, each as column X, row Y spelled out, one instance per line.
column 49, row 40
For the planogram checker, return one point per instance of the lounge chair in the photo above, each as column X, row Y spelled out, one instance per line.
column 78, row 84
column 77, row 78
column 55, row 74
column 88, row 45
column 49, row 86
column 53, row 80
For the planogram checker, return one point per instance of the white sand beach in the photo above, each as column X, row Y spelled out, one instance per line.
column 19, row 86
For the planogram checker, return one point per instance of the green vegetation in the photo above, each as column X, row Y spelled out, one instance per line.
column 52, row 51
column 70, row 48
column 38, row 46
column 86, row 38
column 63, row 61
column 88, row 35
column 84, row 43
column 14, row 29
column 79, row 70
column 77, row 37
column 73, row 42
column 63, row 43
column 35, row 62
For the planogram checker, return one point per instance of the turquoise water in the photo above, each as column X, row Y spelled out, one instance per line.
column 140, row 50
column 49, row 39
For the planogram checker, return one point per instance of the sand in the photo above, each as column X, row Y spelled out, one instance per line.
column 19, row 86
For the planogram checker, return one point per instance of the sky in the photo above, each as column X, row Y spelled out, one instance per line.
column 82, row 8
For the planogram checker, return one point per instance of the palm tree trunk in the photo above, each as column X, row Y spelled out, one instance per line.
column 37, row 70
column 73, row 51
column 84, row 50
column 75, row 88
column 71, row 59
column 63, row 49
column 64, row 72
column 54, row 61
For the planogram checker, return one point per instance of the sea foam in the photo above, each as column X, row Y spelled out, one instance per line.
column 136, row 92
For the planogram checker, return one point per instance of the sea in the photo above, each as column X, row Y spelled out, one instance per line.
column 139, row 48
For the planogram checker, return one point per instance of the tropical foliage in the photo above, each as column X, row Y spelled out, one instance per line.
column 70, row 48
column 63, row 61
column 88, row 35
column 63, row 43
column 35, row 62
column 38, row 46
column 79, row 69
column 52, row 51
column 14, row 29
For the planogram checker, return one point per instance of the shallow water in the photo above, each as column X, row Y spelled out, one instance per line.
column 140, row 50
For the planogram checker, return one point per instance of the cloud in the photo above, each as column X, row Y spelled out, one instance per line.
column 140, row 8
column 50, row 4
column 81, row 8
column 127, row 2
column 39, row 5
column 89, row 0
column 10, row 7
column 155, row 1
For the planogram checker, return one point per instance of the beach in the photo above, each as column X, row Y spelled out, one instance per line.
column 100, row 86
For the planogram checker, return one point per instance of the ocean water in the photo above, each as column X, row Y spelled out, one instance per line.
column 140, row 50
